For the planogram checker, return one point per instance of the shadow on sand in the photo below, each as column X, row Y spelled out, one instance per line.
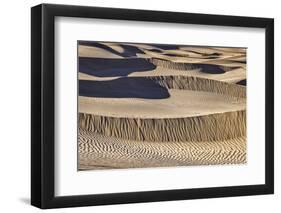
column 210, row 68
column 133, row 87
column 108, row 67
column 130, row 51
column 166, row 46
column 242, row 82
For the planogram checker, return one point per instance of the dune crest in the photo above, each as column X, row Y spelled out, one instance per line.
column 213, row 127
column 200, row 84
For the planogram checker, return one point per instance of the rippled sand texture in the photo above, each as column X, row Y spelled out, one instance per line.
column 100, row 152
column 152, row 105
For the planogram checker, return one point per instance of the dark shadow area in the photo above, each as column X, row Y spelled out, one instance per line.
column 210, row 68
column 242, row 82
column 155, row 50
column 130, row 51
column 107, row 67
column 173, row 55
column 212, row 54
column 238, row 61
column 205, row 54
column 166, row 46
column 213, row 68
column 132, row 87
column 211, row 57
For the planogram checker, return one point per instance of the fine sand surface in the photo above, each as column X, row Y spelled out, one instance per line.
column 148, row 105
column 100, row 152
column 203, row 103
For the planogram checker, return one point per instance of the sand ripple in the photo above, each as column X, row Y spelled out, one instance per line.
column 97, row 151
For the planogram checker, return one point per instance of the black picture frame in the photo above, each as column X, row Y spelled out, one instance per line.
column 43, row 102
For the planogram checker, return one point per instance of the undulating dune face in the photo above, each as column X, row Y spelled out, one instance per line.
column 155, row 105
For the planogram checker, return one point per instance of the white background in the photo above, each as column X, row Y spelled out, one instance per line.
column 71, row 182
column 15, row 106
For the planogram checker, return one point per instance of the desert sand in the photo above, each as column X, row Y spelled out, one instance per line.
column 153, row 105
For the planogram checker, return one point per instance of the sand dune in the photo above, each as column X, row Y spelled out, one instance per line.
column 99, row 152
column 234, row 76
column 111, row 67
column 146, row 105
column 107, row 62
column 212, row 127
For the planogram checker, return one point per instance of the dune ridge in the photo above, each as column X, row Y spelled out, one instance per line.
column 200, row 84
column 217, row 69
column 209, row 127
column 179, row 82
column 213, row 127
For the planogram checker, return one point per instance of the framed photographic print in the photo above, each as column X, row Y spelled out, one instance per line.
column 139, row 106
